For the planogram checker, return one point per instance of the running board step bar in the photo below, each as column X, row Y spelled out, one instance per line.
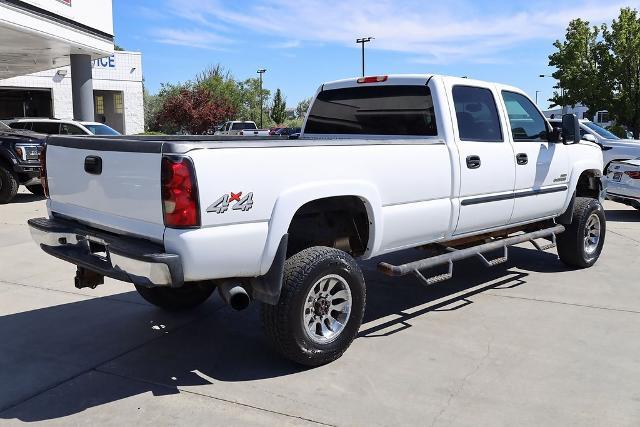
column 479, row 251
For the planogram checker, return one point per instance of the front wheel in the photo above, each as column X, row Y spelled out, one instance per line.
column 8, row 185
column 186, row 297
column 320, row 308
column 581, row 244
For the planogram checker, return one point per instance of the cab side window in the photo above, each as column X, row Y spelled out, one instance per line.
column 527, row 124
column 46, row 127
column 477, row 114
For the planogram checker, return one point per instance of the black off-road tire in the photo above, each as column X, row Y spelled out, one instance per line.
column 283, row 323
column 8, row 185
column 36, row 189
column 572, row 248
column 187, row 297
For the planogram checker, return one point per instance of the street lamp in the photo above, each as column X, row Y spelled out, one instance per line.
column 362, row 41
column 542, row 76
column 261, row 72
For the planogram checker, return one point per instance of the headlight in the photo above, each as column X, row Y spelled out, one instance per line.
column 28, row 152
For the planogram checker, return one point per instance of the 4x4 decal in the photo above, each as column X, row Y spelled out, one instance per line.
column 242, row 203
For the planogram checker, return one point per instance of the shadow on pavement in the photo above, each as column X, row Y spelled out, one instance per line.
column 26, row 198
column 623, row 215
column 156, row 352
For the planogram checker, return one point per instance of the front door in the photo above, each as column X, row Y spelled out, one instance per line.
column 542, row 167
column 487, row 161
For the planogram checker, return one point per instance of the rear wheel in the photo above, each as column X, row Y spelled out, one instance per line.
column 581, row 244
column 36, row 189
column 8, row 185
column 320, row 308
column 177, row 299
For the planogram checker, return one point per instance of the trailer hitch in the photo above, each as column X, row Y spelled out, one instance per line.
column 88, row 279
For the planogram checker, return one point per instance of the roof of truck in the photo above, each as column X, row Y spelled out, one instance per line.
column 411, row 79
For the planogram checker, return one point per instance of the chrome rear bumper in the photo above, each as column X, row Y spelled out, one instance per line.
column 122, row 258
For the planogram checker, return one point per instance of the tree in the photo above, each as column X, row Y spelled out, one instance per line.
column 278, row 108
column 250, row 101
column 599, row 67
column 302, row 108
column 623, row 41
column 192, row 110
column 152, row 105
column 221, row 85
column 582, row 63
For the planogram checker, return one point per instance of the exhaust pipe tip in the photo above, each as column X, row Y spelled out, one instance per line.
column 234, row 296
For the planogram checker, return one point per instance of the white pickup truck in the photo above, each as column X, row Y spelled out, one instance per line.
column 238, row 128
column 461, row 167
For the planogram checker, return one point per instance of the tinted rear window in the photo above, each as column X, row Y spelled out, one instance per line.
column 244, row 126
column 374, row 110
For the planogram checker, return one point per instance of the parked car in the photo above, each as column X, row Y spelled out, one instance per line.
column 240, row 128
column 624, row 182
column 19, row 162
column 62, row 127
column 274, row 130
column 383, row 164
column 614, row 148
column 287, row 131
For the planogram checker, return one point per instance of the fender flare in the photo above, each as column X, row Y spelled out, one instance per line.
column 291, row 200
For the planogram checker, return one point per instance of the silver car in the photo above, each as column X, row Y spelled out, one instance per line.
column 624, row 182
column 614, row 148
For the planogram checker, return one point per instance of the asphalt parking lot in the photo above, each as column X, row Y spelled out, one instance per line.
column 526, row 343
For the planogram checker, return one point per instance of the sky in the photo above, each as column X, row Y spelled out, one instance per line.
column 303, row 43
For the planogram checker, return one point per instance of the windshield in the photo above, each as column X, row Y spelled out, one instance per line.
column 101, row 130
column 600, row 131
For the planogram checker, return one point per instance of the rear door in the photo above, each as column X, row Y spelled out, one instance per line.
column 542, row 167
column 487, row 163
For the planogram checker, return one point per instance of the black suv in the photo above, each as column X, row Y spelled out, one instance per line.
column 19, row 161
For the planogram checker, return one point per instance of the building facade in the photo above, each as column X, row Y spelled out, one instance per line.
column 117, row 93
column 40, row 35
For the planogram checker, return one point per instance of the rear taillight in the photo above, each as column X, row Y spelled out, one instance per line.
column 633, row 174
column 179, row 193
column 373, row 79
column 43, row 171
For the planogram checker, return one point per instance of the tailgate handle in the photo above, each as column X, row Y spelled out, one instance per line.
column 93, row 165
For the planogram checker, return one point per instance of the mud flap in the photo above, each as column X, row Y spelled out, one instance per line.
column 267, row 288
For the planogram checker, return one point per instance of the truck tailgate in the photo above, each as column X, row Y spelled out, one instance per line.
column 112, row 184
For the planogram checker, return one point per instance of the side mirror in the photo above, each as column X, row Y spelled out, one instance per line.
column 570, row 129
column 590, row 138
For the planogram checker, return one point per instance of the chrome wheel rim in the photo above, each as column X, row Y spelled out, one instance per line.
column 592, row 232
column 327, row 308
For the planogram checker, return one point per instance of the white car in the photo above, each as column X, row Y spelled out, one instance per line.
column 383, row 163
column 62, row 127
column 614, row 148
column 241, row 128
column 624, row 182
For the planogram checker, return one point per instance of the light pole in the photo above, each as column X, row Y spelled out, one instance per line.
column 542, row 76
column 362, row 41
column 537, row 92
column 261, row 72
